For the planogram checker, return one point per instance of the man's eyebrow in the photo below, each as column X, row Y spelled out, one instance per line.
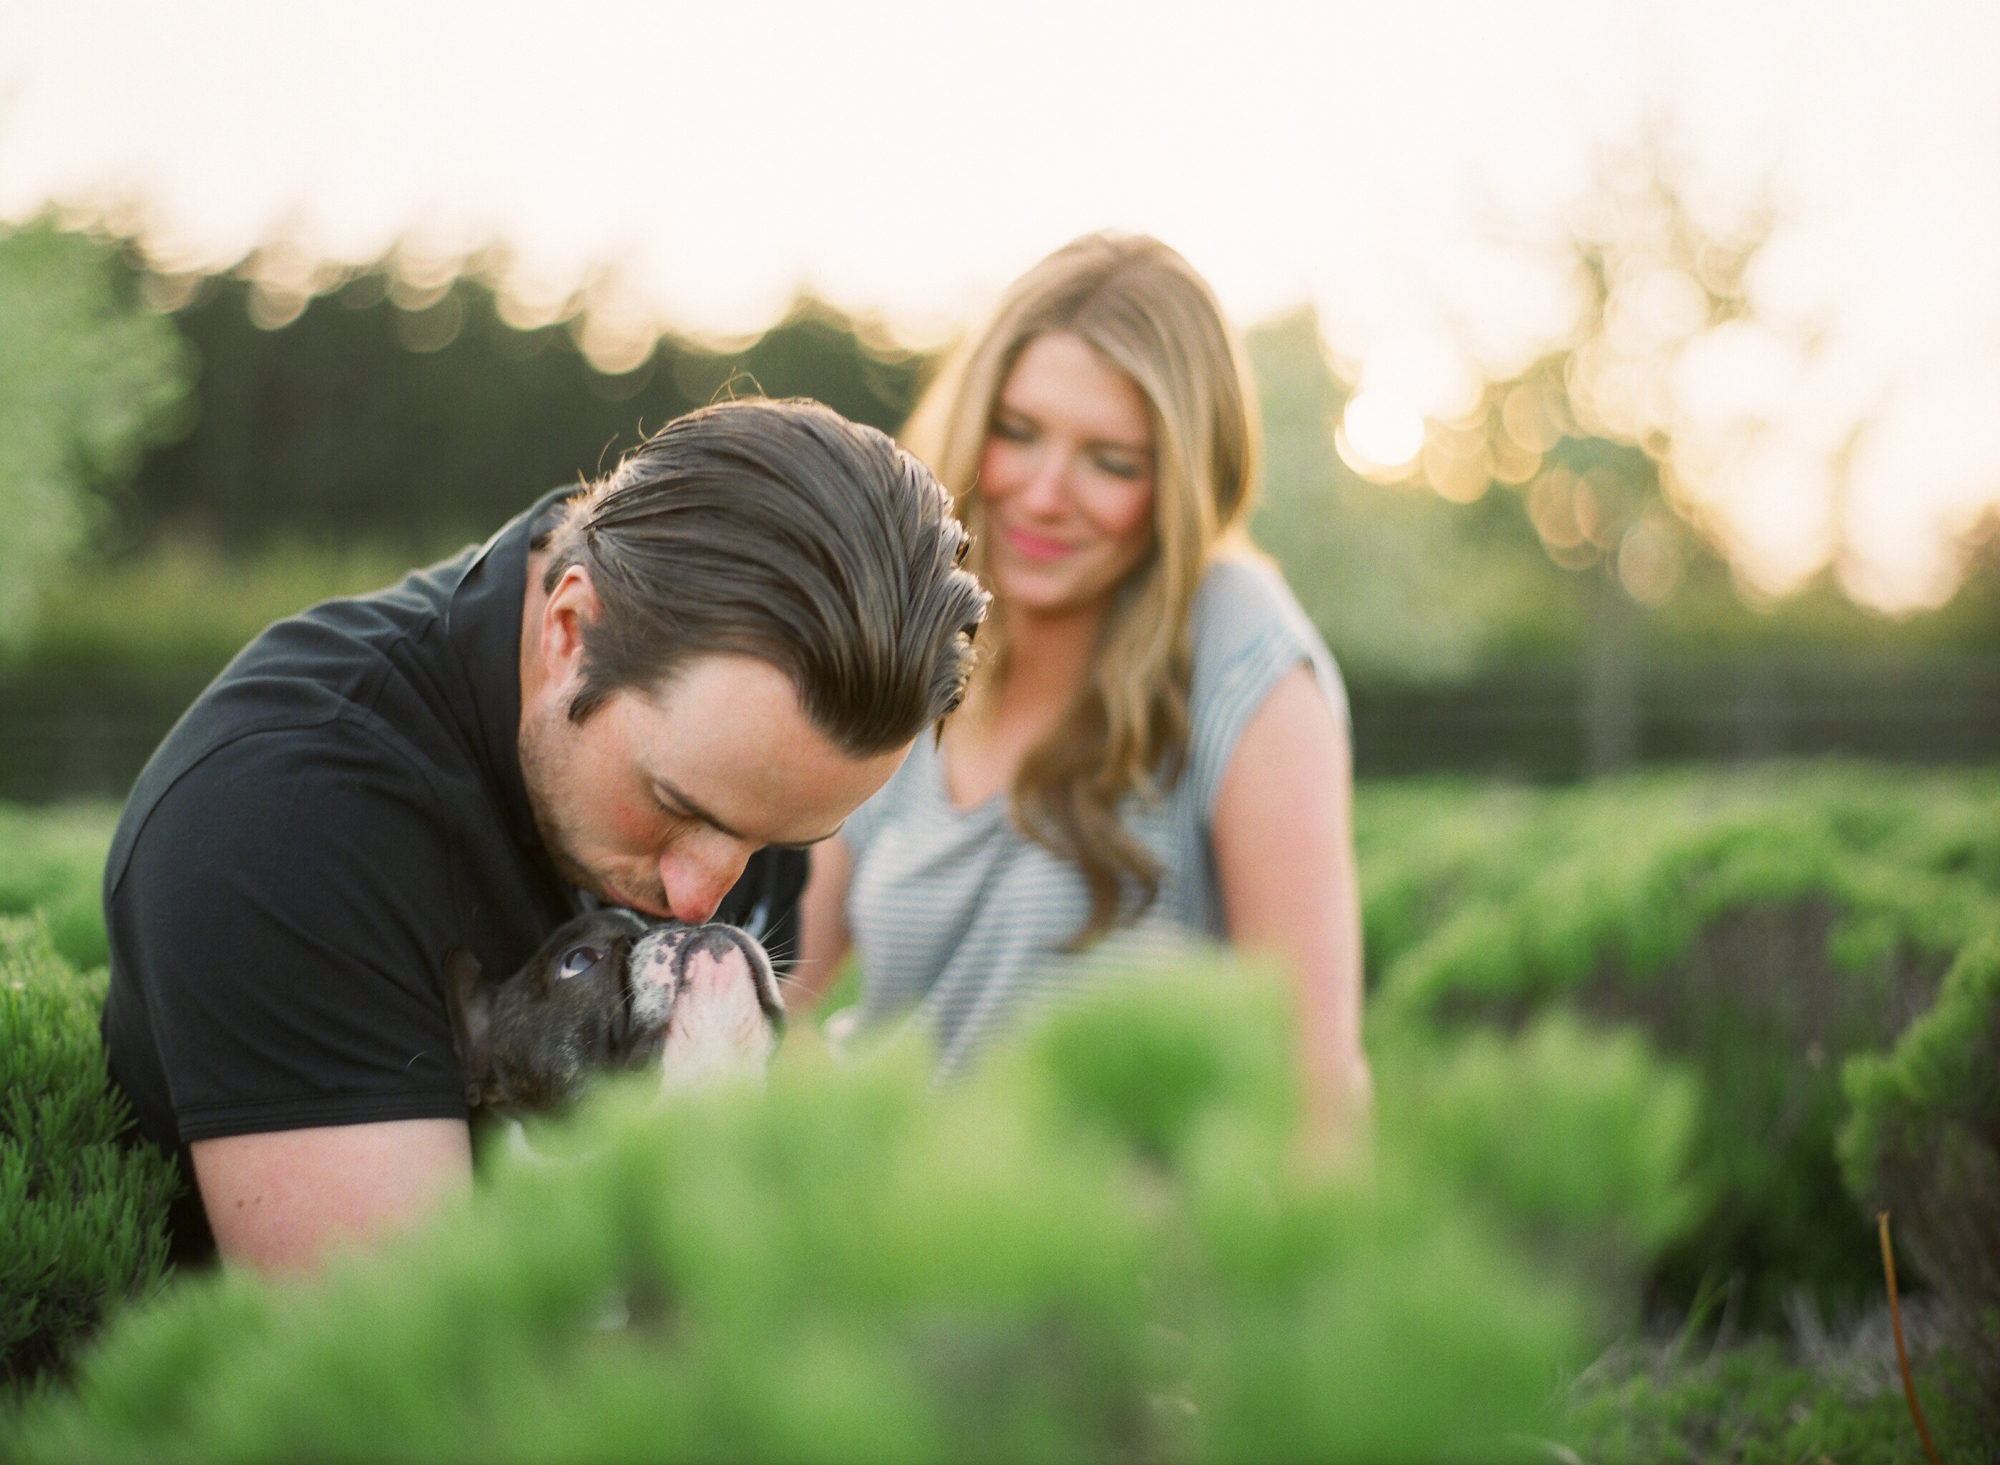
column 674, row 792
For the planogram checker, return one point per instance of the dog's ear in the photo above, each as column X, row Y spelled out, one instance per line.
column 470, row 1001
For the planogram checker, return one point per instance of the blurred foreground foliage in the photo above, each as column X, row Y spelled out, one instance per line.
column 1629, row 1041
column 1046, row 1263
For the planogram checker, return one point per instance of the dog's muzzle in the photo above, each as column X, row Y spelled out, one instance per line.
column 713, row 993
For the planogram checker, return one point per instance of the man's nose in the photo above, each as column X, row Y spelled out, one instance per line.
column 696, row 875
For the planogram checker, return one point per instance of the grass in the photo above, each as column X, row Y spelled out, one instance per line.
column 1766, row 1401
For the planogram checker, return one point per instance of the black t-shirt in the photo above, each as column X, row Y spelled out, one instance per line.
column 338, row 809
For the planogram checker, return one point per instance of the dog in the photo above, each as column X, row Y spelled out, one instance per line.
column 611, row 992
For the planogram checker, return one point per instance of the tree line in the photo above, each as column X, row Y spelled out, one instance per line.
column 360, row 420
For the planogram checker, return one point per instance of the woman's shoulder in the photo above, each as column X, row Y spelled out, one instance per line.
column 1247, row 630
column 1243, row 601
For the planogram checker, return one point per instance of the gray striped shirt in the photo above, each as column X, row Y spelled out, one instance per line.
column 959, row 921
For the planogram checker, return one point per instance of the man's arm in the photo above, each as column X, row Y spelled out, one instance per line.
column 281, row 1201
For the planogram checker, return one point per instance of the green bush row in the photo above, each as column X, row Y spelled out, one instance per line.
column 185, row 603
column 52, row 865
column 1771, row 932
column 84, row 1216
column 1765, row 926
column 1103, row 1247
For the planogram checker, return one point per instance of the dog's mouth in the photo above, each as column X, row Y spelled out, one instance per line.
column 702, row 1001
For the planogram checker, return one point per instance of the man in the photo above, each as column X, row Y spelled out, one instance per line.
column 656, row 692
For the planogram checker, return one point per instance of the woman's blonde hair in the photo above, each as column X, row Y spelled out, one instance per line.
column 1145, row 310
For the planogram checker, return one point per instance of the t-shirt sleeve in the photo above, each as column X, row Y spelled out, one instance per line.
column 861, row 827
column 1248, row 631
column 279, row 912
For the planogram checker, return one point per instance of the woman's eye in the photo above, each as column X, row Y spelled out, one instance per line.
column 578, row 960
column 1120, row 467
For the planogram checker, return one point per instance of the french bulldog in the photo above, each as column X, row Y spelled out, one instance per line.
column 611, row 991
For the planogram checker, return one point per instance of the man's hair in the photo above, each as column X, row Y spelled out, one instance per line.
column 779, row 530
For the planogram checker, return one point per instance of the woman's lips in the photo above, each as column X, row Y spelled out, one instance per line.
column 1032, row 546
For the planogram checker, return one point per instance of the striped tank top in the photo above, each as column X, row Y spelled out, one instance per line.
column 959, row 921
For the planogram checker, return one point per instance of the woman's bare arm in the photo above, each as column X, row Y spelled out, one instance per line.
column 822, row 926
column 1284, row 855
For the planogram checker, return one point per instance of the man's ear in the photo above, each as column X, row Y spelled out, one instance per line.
column 569, row 607
column 470, row 1001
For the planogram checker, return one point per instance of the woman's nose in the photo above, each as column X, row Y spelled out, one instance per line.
column 1046, row 487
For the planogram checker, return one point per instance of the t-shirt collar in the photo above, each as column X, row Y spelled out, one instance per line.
column 483, row 624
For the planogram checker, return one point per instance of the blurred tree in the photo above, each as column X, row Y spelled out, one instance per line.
column 380, row 410
column 87, row 380
column 1405, row 586
column 1975, row 607
column 1584, row 437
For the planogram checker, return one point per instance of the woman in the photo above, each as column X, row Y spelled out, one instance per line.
column 1155, row 738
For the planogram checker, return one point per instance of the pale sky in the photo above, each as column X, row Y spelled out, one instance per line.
column 1397, row 165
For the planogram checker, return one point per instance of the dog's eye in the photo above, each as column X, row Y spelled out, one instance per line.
column 578, row 960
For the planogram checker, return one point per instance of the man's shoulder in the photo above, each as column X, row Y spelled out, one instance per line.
column 351, row 708
column 267, row 782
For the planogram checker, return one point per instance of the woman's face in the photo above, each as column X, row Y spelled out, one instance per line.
column 1066, row 478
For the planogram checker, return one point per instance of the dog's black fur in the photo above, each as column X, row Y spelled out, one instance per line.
column 606, row 992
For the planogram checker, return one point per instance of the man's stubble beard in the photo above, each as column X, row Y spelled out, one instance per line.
column 538, row 749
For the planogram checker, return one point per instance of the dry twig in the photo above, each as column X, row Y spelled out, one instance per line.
column 1902, row 1355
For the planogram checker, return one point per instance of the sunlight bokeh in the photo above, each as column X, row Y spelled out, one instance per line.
column 1380, row 433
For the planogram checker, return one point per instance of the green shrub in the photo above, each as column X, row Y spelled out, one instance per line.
column 1578, row 1140
column 52, row 861
column 85, row 1216
column 1050, row 1261
column 1762, row 926
column 1923, row 1142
